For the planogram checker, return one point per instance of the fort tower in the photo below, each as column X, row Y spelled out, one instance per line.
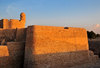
column 13, row 23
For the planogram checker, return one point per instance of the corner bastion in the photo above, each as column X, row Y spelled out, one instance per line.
column 41, row 46
column 55, row 47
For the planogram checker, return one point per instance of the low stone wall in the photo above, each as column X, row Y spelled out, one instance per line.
column 11, row 55
column 55, row 47
column 13, row 35
column 3, row 51
column 1, row 23
column 45, row 47
column 14, row 23
column 95, row 46
column 8, row 34
column 21, row 35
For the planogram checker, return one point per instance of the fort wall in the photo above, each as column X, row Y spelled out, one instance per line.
column 55, row 47
column 13, row 34
column 13, row 23
column 94, row 45
column 11, row 55
column 12, row 42
column 3, row 51
column 41, row 46
column 1, row 23
column 21, row 34
column 7, row 34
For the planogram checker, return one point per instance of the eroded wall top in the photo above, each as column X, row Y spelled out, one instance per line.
column 13, row 23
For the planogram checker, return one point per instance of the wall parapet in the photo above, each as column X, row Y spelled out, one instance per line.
column 13, row 23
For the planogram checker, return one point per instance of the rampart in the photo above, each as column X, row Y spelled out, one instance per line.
column 12, row 45
column 45, row 47
column 55, row 47
column 13, row 35
column 41, row 46
column 13, row 23
column 11, row 55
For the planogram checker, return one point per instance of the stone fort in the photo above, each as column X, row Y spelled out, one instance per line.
column 42, row 46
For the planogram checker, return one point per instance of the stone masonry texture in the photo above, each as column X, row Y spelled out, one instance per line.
column 13, row 23
column 51, row 47
column 41, row 46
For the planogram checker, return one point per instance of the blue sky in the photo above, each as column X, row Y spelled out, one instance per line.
column 71, row 13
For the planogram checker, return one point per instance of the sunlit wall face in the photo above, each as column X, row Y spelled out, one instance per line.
column 75, row 13
column 4, row 51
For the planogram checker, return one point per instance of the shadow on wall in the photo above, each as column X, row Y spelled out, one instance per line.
column 12, row 53
column 50, row 60
column 55, row 47
column 95, row 47
column 12, row 35
column 57, row 60
column 7, row 35
column 47, row 47
column 15, row 59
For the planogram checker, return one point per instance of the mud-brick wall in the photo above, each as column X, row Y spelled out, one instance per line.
column 13, row 24
column 55, row 47
column 12, row 55
column 21, row 34
column 13, row 34
column 94, row 45
column 7, row 34
column 1, row 23
column 16, row 24
column 6, row 24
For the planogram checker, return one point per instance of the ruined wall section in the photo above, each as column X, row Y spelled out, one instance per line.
column 11, row 55
column 3, row 51
column 1, row 23
column 21, row 34
column 6, row 24
column 94, row 45
column 9, row 35
column 55, row 47
column 13, row 23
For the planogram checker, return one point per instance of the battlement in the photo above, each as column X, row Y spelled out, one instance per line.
column 13, row 23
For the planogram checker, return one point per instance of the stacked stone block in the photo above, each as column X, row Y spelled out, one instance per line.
column 51, row 47
column 13, row 23
column 11, row 55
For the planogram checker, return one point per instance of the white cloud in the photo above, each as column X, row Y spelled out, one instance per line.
column 94, row 27
column 97, row 25
column 13, row 11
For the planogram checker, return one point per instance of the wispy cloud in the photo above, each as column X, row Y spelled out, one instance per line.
column 94, row 27
column 97, row 25
column 13, row 10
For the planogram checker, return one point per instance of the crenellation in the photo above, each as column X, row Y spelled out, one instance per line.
column 22, row 17
column 13, row 23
